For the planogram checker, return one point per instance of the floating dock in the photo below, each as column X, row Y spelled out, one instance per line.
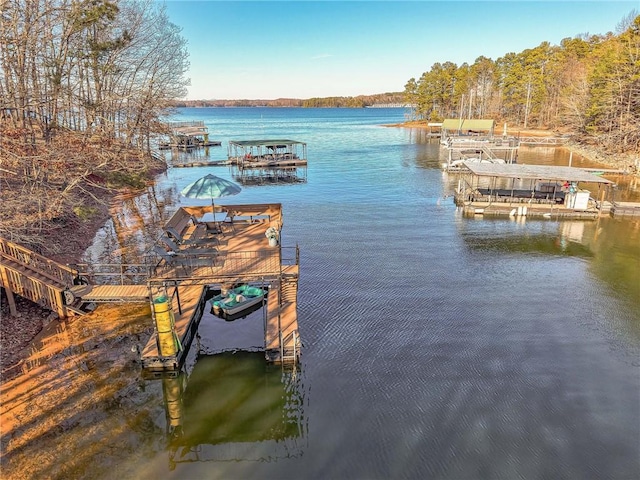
column 625, row 209
column 530, row 190
column 263, row 161
column 188, row 135
column 218, row 250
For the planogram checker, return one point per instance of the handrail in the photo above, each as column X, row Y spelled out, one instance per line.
column 296, row 340
column 544, row 140
column 37, row 262
column 234, row 263
column 290, row 260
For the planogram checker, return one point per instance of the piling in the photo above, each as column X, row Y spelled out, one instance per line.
column 168, row 343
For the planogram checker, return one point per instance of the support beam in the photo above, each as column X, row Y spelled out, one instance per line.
column 8, row 291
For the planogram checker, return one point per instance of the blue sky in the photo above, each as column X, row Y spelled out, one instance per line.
column 302, row 49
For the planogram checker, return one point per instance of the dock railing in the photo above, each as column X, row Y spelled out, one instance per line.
column 114, row 273
column 234, row 264
column 290, row 255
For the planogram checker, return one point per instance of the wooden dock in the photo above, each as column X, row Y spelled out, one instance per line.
column 199, row 163
column 520, row 210
column 625, row 209
column 237, row 253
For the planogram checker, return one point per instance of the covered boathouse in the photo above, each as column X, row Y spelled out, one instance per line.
column 532, row 190
column 267, row 153
column 258, row 161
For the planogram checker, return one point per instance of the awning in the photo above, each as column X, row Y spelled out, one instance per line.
column 264, row 143
column 535, row 172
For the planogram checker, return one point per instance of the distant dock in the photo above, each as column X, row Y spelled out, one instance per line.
column 188, row 135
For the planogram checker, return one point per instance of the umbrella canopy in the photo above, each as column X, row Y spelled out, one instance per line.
column 211, row 187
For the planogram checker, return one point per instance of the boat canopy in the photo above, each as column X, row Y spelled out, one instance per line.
column 535, row 172
column 265, row 143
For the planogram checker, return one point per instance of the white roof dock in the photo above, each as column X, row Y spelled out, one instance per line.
column 535, row 172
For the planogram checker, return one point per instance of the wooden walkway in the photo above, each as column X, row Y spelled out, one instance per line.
column 199, row 163
column 111, row 293
column 543, row 140
column 625, row 209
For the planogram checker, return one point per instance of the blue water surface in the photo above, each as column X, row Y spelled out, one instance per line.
column 435, row 346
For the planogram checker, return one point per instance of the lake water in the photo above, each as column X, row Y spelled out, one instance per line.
column 435, row 345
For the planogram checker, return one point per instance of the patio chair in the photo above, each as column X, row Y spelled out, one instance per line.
column 169, row 242
column 170, row 258
column 186, row 248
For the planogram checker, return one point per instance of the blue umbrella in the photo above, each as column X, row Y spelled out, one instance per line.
column 211, row 187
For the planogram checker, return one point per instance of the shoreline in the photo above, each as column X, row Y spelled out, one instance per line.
column 17, row 333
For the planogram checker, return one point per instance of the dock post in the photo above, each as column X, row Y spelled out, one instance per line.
column 168, row 343
column 9, row 292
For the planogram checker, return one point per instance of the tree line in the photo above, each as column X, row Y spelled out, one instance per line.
column 589, row 84
column 103, row 67
column 84, row 85
column 359, row 101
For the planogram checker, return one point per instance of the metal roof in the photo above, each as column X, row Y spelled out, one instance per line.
column 264, row 143
column 190, row 131
column 468, row 124
column 537, row 172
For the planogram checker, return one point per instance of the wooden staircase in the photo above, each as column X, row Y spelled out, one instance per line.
column 28, row 274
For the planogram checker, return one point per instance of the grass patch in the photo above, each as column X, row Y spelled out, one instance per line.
column 121, row 179
column 85, row 213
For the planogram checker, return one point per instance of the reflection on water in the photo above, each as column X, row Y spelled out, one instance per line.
column 563, row 238
column 234, row 406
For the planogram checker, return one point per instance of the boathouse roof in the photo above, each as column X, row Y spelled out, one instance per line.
column 468, row 124
column 264, row 143
column 536, row 172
